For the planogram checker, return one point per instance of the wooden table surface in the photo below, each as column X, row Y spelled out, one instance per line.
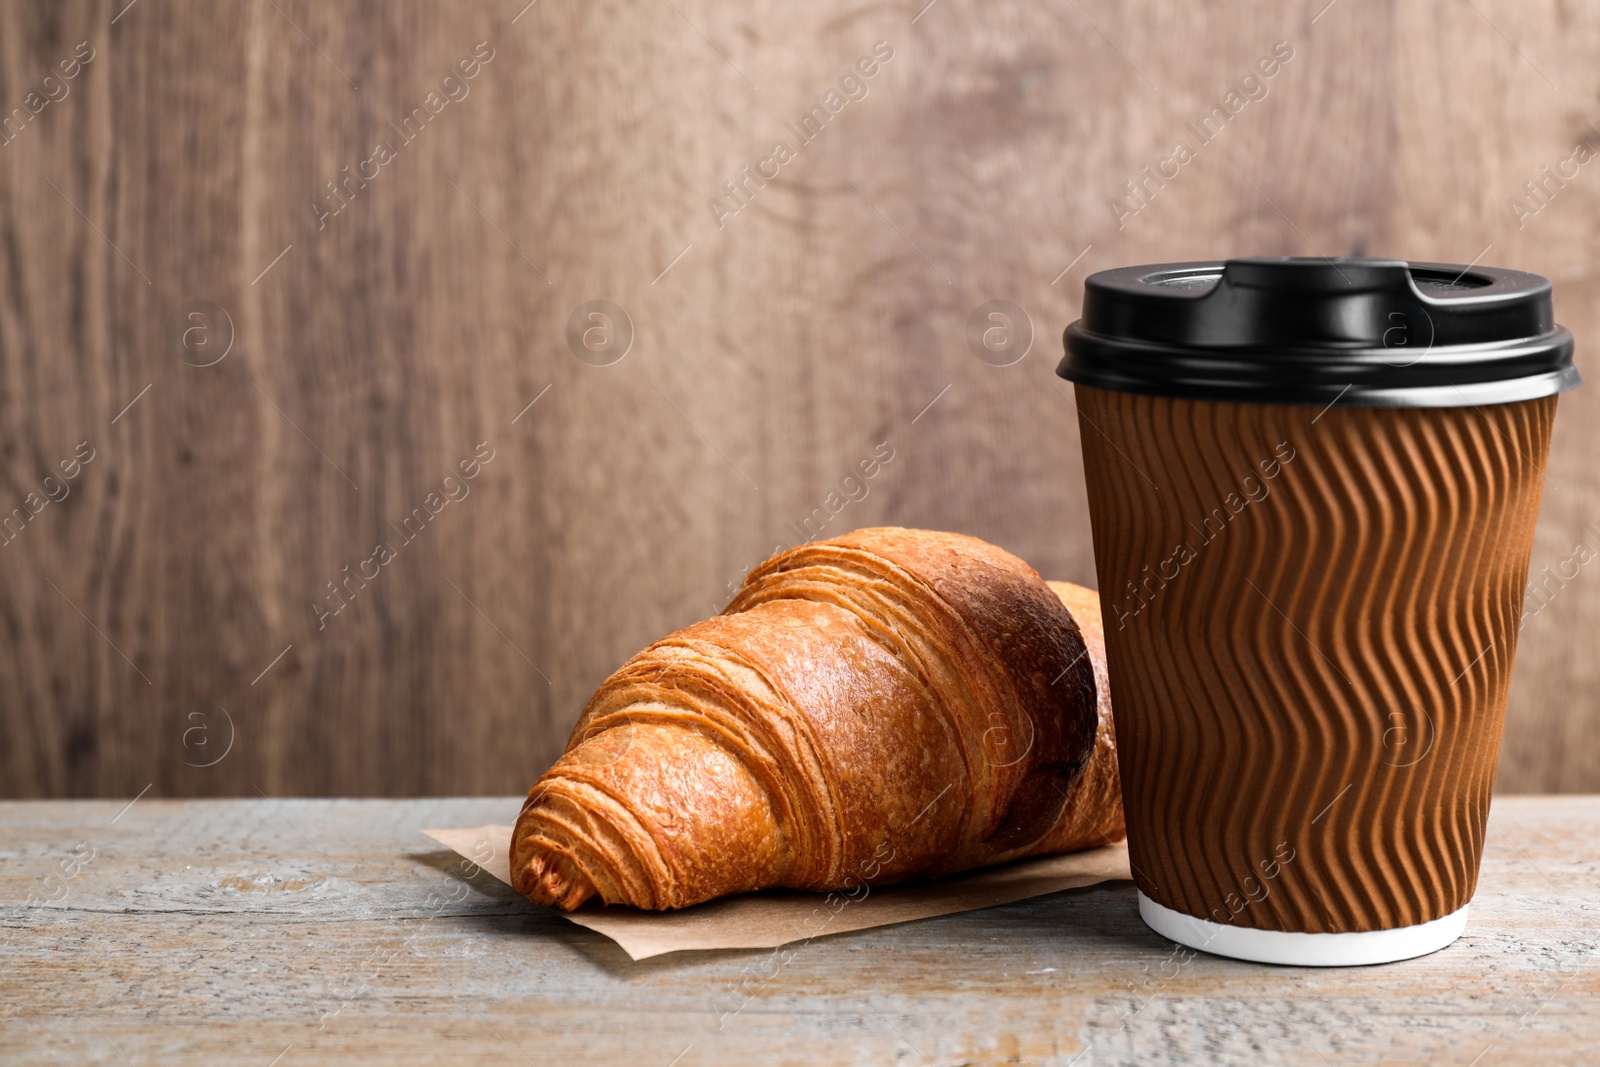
column 290, row 932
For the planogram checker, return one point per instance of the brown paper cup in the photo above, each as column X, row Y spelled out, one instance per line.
column 1310, row 618
column 1313, row 486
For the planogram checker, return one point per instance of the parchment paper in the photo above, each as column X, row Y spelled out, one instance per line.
column 779, row 917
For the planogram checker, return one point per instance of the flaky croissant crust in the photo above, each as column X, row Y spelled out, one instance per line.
column 880, row 706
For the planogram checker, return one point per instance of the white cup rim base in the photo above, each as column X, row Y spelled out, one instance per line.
column 1299, row 949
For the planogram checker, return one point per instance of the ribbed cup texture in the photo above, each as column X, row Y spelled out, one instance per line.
column 1310, row 620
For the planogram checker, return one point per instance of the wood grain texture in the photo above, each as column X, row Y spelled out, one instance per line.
column 773, row 348
column 211, row 931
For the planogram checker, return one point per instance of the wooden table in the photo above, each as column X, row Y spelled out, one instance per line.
column 292, row 932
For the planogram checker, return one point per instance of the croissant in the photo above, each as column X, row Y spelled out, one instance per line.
column 885, row 705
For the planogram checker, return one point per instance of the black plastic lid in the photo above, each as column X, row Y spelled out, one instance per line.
column 1364, row 332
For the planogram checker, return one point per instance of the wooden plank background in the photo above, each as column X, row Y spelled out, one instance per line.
column 164, row 614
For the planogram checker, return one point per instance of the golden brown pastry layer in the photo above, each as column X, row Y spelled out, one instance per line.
column 884, row 705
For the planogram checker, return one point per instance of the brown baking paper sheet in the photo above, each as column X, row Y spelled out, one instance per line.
column 779, row 917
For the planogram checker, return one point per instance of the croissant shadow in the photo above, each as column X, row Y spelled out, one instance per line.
column 1101, row 917
column 511, row 915
column 496, row 908
column 447, row 862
